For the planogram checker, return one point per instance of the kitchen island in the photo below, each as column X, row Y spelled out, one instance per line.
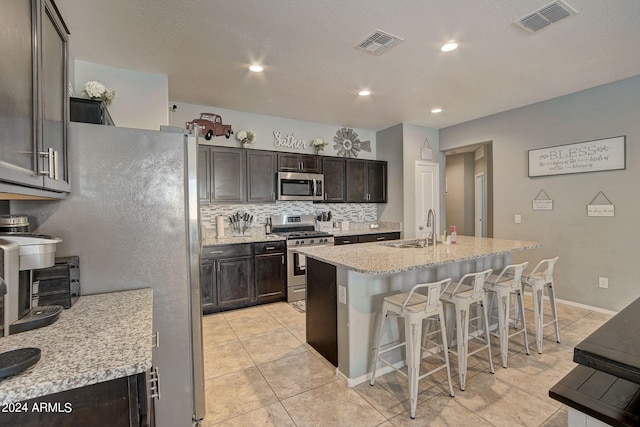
column 101, row 339
column 346, row 286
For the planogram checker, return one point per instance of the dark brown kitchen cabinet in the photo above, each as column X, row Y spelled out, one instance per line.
column 121, row 402
column 270, row 271
column 34, row 51
column 290, row 162
column 365, row 238
column 227, row 277
column 227, row 175
column 378, row 237
column 334, row 179
column 366, row 181
column 261, row 176
column 204, row 173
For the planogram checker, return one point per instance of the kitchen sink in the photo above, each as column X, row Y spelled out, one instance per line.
column 405, row 244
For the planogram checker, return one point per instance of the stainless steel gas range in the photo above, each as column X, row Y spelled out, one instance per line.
column 299, row 230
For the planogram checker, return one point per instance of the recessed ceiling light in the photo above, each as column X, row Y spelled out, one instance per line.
column 256, row 68
column 436, row 110
column 364, row 92
column 449, row 46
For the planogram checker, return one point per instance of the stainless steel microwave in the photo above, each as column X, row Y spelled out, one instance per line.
column 300, row 186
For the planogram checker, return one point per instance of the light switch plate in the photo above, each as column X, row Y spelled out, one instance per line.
column 517, row 219
column 342, row 294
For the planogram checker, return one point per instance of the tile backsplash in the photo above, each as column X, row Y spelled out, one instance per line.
column 356, row 212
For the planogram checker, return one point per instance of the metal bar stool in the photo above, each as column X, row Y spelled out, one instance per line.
column 538, row 280
column 415, row 307
column 508, row 282
column 462, row 297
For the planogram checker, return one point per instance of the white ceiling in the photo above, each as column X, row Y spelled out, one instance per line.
column 313, row 71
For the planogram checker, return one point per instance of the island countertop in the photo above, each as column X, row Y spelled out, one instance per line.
column 100, row 338
column 380, row 258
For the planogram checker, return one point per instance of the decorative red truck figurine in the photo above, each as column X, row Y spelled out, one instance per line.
column 211, row 125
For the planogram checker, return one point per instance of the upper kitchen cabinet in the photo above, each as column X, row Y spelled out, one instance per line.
column 33, row 97
column 366, row 181
column 261, row 176
column 227, row 175
column 334, row 179
column 289, row 162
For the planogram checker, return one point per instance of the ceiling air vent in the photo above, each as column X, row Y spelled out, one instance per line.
column 549, row 14
column 378, row 42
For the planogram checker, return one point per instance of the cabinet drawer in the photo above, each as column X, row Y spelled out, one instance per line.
column 345, row 240
column 225, row 251
column 378, row 237
column 269, row 247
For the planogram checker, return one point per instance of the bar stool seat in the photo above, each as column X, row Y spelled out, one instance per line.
column 503, row 285
column 462, row 297
column 538, row 281
column 415, row 308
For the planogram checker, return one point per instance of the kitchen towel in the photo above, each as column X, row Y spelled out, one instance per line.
column 220, row 226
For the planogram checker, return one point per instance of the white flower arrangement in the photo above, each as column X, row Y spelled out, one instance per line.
column 319, row 143
column 246, row 136
column 97, row 90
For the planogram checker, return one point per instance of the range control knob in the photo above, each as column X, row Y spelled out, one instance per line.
column 311, row 242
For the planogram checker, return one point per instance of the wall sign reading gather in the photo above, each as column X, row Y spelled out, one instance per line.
column 591, row 156
column 289, row 141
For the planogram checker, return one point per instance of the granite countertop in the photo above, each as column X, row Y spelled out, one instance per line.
column 100, row 338
column 378, row 259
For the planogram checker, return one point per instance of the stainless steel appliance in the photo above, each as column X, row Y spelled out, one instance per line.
column 14, row 224
column 21, row 254
column 300, row 186
column 132, row 218
column 299, row 230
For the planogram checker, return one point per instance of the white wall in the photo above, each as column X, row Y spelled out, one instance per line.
column 141, row 101
column 588, row 247
column 264, row 126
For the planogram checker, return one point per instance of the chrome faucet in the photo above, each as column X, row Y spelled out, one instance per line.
column 431, row 222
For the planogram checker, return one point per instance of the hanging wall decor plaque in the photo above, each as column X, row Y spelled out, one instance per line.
column 591, row 156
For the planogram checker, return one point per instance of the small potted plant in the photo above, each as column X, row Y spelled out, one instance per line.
column 246, row 137
column 319, row 145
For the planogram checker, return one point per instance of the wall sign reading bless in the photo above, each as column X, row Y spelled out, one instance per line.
column 590, row 156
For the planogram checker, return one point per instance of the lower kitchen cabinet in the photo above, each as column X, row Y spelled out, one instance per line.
column 231, row 276
column 270, row 271
column 365, row 238
column 122, row 402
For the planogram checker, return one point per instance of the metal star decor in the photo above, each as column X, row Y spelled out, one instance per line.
column 348, row 144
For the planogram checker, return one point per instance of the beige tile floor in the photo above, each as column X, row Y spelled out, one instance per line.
column 260, row 372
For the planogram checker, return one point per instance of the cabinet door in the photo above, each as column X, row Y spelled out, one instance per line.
column 377, row 182
column 208, row 284
column 228, row 170
column 235, row 281
column 261, row 176
column 356, row 181
column 204, row 173
column 310, row 163
column 288, row 162
column 17, row 97
column 270, row 275
column 334, row 179
column 54, row 94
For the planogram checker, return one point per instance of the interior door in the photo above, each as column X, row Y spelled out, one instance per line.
column 427, row 182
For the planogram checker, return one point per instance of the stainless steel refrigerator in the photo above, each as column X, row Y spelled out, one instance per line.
column 133, row 219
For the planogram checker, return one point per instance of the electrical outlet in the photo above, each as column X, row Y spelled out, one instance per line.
column 517, row 219
column 342, row 294
column 603, row 282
